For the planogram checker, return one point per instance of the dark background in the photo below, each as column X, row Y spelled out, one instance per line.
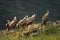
column 20, row 8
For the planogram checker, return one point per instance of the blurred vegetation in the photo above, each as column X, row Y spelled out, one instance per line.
column 51, row 32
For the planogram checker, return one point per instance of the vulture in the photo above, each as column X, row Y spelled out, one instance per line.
column 45, row 17
column 22, row 21
column 11, row 24
column 29, row 20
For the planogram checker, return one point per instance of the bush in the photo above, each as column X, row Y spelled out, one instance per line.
column 51, row 29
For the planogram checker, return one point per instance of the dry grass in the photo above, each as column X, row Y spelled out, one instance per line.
column 52, row 32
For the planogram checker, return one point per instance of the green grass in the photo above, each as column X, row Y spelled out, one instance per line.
column 42, row 36
column 38, row 37
column 51, row 33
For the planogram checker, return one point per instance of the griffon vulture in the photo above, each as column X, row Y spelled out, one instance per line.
column 12, row 23
column 30, row 19
column 22, row 21
column 45, row 17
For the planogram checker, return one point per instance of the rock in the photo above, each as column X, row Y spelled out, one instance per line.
column 25, row 33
